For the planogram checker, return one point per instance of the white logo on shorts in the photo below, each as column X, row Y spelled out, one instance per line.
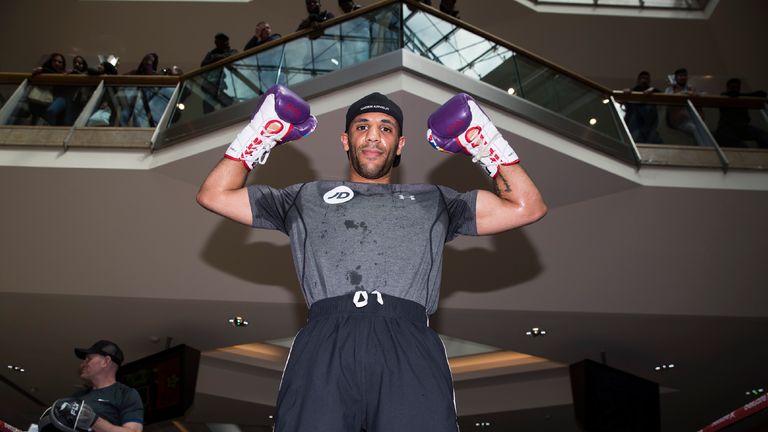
column 338, row 195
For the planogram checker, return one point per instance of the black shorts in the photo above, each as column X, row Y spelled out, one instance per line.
column 375, row 368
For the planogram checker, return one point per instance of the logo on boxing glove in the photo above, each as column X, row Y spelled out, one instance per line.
column 475, row 138
column 272, row 128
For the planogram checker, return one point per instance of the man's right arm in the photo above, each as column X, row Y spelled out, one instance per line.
column 281, row 116
column 223, row 191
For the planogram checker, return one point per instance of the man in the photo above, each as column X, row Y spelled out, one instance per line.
column 107, row 405
column 214, row 85
column 222, row 50
column 368, row 254
column 678, row 117
column 643, row 119
column 315, row 15
column 262, row 34
column 733, row 126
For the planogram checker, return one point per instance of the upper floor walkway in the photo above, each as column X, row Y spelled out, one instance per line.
column 138, row 115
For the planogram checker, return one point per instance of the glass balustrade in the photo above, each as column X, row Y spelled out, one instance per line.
column 50, row 105
column 736, row 127
column 318, row 53
column 116, row 106
column 709, row 121
column 130, row 106
column 584, row 108
column 6, row 90
column 665, row 123
column 515, row 73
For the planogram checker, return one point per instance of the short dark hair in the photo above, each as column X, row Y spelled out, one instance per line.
column 733, row 81
column 681, row 71
column 643, row 73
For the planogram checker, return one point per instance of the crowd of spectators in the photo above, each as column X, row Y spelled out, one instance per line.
column 60, row 105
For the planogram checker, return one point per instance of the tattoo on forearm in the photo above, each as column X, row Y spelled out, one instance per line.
column 498, row 190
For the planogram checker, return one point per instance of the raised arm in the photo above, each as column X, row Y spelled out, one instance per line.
column 460, row 126
column 281, row 116
column 516, row 202
column 224, row 192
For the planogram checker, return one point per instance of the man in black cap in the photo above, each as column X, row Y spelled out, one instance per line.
column 368, row 255
column 118, row 407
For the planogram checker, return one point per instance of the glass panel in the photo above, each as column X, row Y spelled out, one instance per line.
column 51, row 105
column 130, row 106
column 423, row 31
column 336, row 47
column 6, row 91
column 665, row 124
column 471, row 54
column 738, row 127
column 369, row 36
column 213, row 90
column 260, row 70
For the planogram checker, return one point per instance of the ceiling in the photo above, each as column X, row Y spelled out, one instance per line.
column 638, row 275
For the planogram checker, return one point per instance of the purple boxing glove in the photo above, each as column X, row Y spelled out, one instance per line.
column 461, row 126
column 281, row 116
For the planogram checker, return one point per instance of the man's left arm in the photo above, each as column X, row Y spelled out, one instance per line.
column 461, row 126
column 517, row 202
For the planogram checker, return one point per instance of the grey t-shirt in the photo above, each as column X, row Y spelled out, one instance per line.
column 349, row 236
column 118, row 403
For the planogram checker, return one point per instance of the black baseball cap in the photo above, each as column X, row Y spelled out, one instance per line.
column 375, row 102
column 102, row 347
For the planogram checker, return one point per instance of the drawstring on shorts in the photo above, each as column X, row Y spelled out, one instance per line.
column 360, row 299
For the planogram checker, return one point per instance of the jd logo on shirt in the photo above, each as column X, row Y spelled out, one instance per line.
column 338, row 195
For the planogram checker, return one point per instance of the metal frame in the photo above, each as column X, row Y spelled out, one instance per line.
column 10, row 104
column 712, row 142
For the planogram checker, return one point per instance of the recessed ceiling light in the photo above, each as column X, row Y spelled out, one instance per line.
column 16, row 368
column 238, row 321
column 511, row 90
column 483, row 424
column 665, row 366
column 593, row 121
column 605, row 101
column 756, row 392
column 536, row 331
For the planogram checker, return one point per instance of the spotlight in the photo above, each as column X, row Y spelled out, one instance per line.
column 238, row 322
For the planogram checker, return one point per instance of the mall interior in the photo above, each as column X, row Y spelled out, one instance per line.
column 648, row 262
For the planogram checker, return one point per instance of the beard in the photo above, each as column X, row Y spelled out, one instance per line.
column 371, row 171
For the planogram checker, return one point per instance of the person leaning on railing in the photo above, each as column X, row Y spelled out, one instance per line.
column 262, row 34
column 214, row 85
column 643, row 119
column 734, row 127
column 678, row 117
column 51, row 103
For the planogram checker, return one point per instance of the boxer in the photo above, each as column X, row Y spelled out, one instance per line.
column 368, row 256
